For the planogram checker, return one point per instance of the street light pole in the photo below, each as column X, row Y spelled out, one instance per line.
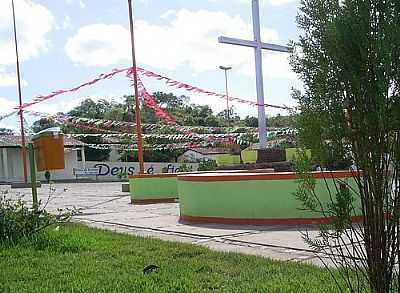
column 225, row 69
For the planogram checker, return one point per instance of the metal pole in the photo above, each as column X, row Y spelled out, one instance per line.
column 262, row 129
column 137, row 102
column 21, row 115
column 226, row 93
column 225, row 69
column 32, row 165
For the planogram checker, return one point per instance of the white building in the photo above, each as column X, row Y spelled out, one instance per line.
column 11, row 167
column 199, row 154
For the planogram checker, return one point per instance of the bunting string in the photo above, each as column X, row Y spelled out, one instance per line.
column 102, row 129
column 2, row 117
column 147, row 73
column 41, row 98
column 171, row 137
column 151, row 102
column 190, row 88
column 121, row 126
column 153, row 147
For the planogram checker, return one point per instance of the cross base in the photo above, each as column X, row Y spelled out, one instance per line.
column 270, row 155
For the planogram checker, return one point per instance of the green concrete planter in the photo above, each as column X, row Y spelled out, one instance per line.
column 291, row 153
column 249, row 157
column 158, row 188
column 227, row 159
column 255, row 199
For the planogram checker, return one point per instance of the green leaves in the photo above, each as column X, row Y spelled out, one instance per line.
column 348, row 58
column 21, row 222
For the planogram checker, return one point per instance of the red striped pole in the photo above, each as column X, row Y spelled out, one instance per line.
column 137, row 102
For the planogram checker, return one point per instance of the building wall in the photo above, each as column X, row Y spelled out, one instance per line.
column 114, row 156
column 15, row 167
column 110, row 170
column 71, row 162
column 192, row 156
column 107, row 170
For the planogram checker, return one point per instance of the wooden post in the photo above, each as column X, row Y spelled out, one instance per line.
column 32, row 165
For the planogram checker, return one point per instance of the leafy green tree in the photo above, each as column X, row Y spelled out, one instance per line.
column 6, row 131
column 91, row 109
column 42, row 124
column 281, row 121
column 348, row 58
column 152, row 155
column 170, row 101
column 234, row 118
column 115, row 112
column 96, row 110
column 251, row 121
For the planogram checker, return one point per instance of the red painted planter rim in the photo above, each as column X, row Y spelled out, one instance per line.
column 261, row 176
column 272, row 221
column 166, row 175
column 159, row 175
column 153, row 200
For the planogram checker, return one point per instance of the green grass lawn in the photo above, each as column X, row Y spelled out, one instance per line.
column 81, row 259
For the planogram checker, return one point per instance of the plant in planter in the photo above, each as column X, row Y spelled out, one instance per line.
column 122, row 175
column 207, row 165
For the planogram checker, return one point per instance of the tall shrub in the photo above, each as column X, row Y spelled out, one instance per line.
column 348, row 58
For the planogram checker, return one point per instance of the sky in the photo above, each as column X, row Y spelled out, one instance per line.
column 64, row 43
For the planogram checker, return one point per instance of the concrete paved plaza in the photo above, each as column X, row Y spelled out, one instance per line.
column 104, row 205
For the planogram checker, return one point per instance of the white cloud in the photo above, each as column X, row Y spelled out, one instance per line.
column 70, row 103
column 278, row 2
column 99, row 45
column 262, row 2
column 9, row 78
column 168, row 14
column 275, row 66
column 34, row 22
column 67, row 22
column 79, row 2
column 6, row 105
column 186, row 38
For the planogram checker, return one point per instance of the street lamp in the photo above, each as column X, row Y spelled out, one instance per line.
column 225, row 69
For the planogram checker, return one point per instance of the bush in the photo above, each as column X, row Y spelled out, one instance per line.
column 185, row 168
column 207, row 165
column 20, row 222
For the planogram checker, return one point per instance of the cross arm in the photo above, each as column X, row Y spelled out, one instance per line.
column 253, row 44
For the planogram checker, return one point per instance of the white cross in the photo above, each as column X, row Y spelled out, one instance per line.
column 258, row 46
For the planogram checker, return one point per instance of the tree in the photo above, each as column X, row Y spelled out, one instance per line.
column 42, row 124
column 234, row 118
column 152, row 155
column 6, row 131
column 280, row 121
column 97, row 110
column 170, row 101
column 251, row 121
column 348, row 58
column 198, row 115
column 91, row 109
